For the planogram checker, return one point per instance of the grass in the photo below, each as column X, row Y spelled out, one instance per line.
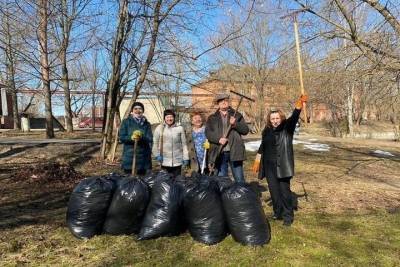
column 314, row 240
column 351, row 218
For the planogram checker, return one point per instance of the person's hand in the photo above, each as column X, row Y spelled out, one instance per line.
column 159, row 158
column 256, row 164
column 206, row 145
column 299, row 103
column 136, row 135
column 232, row 120
column 223, row 140
column 304, row 98
column 186, row 163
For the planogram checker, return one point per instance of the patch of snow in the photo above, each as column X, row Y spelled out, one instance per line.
column 317, row 147
column 253, row 145
column 295, row 142
column 384, row 153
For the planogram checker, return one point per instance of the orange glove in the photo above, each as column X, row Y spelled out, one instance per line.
column 256, row 164
column 300, row 101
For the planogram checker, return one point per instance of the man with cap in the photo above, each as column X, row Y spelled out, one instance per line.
column 226, row 147
column 136, row 128
column 169, row 145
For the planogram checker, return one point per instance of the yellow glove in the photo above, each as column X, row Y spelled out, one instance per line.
column 206, row 145
column 300, row 101
column 256, row 164
column 136, row 135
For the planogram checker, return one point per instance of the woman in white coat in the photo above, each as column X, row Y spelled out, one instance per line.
column 169, row 145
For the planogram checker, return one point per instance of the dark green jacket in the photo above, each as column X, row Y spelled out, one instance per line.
column 143, row 150
column 214, row 132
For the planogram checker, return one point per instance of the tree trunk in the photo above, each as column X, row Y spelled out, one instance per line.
column 396, row 123
column 67, row 93
column 149, row 59
column 350, row 96
column 10, row 63
column 66, row 25
column 13, row 90
column 114, row 83
column 93, row 106
column 44, row 64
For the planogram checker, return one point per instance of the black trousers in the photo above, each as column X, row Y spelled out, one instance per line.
column 281, row 196
column 175, row 171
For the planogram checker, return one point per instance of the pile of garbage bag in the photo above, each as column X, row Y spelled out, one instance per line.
column 159, row 204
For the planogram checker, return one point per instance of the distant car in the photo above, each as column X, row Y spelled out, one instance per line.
column 87, row 123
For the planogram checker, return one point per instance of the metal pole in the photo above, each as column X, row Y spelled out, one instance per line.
column 203, row 165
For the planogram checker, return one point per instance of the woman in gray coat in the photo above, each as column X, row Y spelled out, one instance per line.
column 169, row 145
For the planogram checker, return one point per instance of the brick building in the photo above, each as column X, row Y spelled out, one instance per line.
column 275, row 95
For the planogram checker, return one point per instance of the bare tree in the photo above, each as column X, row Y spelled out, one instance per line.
column 43, row 10
column 150, row 14
column 91, row 72
column 9, row 47
column 252, row 56
column 359, row 53
column 68, row 15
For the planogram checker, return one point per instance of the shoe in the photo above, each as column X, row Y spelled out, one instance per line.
column 287, row 223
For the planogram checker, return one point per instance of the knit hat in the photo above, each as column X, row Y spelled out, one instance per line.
column 169, row 112
column 138, row 104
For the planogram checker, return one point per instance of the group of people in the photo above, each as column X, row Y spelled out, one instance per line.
column 214, row 146
column 207, row 148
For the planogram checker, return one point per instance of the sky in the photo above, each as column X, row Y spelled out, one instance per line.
column 205, row 22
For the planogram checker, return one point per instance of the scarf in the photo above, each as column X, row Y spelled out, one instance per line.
column 139, row 120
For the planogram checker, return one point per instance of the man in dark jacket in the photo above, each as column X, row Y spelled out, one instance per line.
column 277, row 160
column 136, row 127
column 224, row 130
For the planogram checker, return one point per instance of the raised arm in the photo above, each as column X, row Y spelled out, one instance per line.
column 293, row 119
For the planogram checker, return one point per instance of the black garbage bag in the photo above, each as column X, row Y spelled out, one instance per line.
column 127, row 208
column 186, row 183
column 245, row 216
column 162, row 216
column 222, row 181
column 151, row 178
column 204, row 213
column 88, row 205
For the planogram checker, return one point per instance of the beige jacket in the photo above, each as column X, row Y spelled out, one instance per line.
column 174, row 147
